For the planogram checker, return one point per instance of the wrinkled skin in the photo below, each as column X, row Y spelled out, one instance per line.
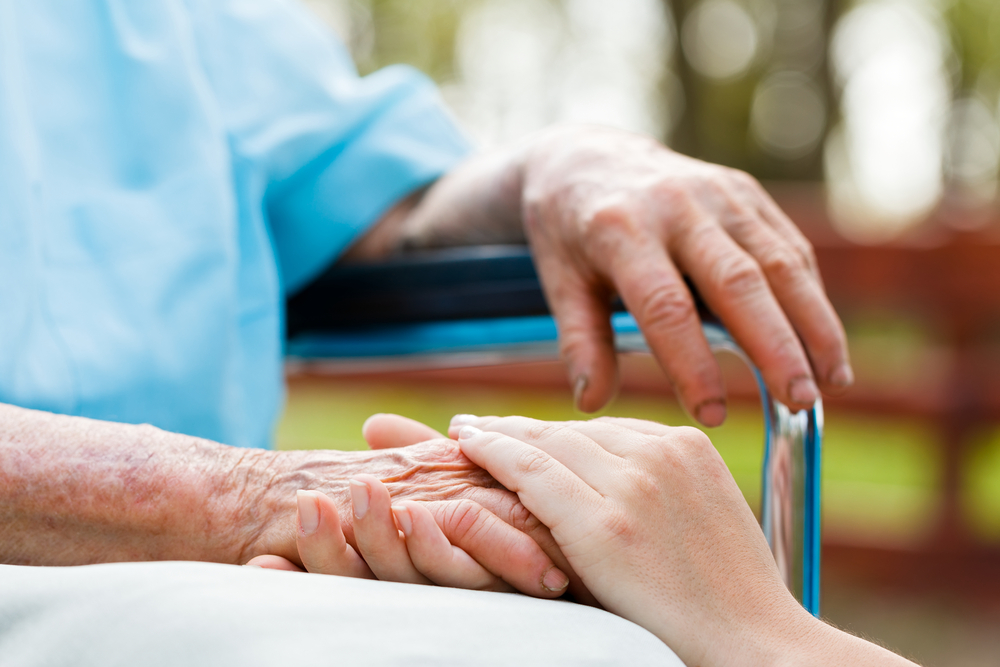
column 434, row 472
column 609, row 212
column 75, row 491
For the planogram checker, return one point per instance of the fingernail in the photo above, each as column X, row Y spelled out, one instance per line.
column 579, row 386
column 842, row 376
column 374, row 416
column 554, row 580
column 463, row 419
column 803, row 391
column 467, row 432
column 403, row 518
column 360, row 497
column 308, row 512
column 711, row 412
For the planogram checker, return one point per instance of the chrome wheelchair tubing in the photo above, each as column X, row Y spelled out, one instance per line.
column 790, row 485
column 790, row 480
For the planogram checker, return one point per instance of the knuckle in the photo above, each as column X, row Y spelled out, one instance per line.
column 674, row 197
column 744, row 181
column 692, row 440
column 532, row 463
column 741, row 225
column 656, row 460
column 679, row 443
column 520, row 518
column 540, row 431
column 737, row 274
column 578, row 342
column 698, row 457
column 611, row 213
column 668, row 307
column 829, row 352
column 784, row 264
column 644, row 482
column 573, row 344
column 607, row 227
column 788, row 351
column 670, row 460
column 462, row 519
column 621, row 525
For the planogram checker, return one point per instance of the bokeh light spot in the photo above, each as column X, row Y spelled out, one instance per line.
column 788, row 115
column 719, row 39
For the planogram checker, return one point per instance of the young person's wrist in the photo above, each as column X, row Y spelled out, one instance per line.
column 778, row 632
column 822, row 645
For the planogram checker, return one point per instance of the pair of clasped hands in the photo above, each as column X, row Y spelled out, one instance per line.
column 641, row 518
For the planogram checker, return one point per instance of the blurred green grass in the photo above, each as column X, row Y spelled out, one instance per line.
column 880, row 476
column 981, row 487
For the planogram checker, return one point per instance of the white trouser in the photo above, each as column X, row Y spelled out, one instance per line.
column 205, row 614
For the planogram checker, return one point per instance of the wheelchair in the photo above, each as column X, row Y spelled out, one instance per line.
column 483, row 306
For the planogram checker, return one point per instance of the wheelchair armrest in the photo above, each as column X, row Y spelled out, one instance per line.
column 468, row 283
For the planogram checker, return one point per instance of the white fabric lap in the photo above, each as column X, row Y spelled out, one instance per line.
column 205, row 614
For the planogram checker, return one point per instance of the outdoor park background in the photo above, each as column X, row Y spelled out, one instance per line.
column 875, row 124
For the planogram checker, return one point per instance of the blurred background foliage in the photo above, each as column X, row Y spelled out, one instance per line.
column 894, row 103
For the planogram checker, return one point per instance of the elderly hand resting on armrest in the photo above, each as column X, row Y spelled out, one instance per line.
column 652, row 521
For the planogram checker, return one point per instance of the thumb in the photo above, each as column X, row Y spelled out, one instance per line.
column 270, row 562
column 382, row 431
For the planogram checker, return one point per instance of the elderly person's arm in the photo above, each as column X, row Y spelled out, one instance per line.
column 76, row 491
column 610, row 212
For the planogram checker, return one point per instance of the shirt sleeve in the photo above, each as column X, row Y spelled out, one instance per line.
column 329, row 151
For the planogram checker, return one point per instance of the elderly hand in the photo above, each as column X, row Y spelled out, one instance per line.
column 609, row 212
column 468, row 545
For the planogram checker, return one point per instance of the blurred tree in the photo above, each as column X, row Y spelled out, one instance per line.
column 973, row 154
column 416, row 32
column 748, row 82
column 768, row 115
column 974, row 27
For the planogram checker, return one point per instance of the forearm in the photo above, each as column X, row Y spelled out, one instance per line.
column 478, row 202
column 75, row 491
column 482, row 201
column 829, row 647
column 780, row 633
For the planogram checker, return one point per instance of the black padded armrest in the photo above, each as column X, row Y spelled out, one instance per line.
column 475, row 282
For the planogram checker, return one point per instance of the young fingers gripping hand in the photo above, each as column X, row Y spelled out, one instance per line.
column 417, row 543
column 437, row 540
column 454, row 543
column 320, row 540
column 654, row 524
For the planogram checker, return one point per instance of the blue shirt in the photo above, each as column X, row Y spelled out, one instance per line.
column 169, row 169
